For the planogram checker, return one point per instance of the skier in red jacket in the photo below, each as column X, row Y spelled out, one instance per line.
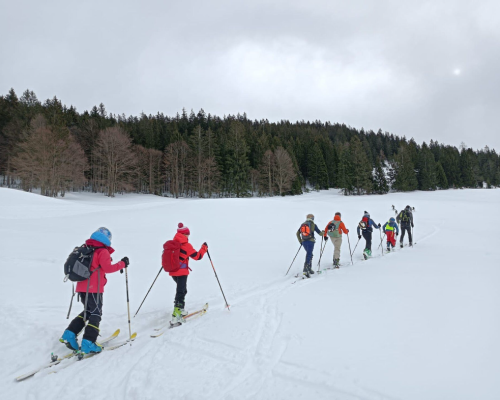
column 92, row 299
column 180, row 276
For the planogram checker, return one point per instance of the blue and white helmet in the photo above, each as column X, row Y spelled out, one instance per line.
column 102, row 235
column 392, row 219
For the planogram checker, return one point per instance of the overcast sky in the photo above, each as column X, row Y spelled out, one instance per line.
column 427, row 70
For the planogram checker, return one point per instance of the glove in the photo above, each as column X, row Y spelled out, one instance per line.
column 412, row 225
column 126, row 261
column 204, row 246
column 359, row 236
column 322, row 233
column 325, row 238
column 379, row 226
column 347, row 230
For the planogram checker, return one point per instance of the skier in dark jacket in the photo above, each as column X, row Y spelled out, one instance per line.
column 91, row 293
column 405, row 219
column 305, row 236
column 366, row 227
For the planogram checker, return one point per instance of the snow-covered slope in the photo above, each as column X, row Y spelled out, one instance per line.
column 422, row 323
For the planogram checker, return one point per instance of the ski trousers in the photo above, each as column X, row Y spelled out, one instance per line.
column 93, row 316
column 337, row 243
column 391, row 238
column 368, row 237
column 308, row 247
column 181, row 291
column 403, row 229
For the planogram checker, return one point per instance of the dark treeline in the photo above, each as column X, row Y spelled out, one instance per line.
column 53, row 148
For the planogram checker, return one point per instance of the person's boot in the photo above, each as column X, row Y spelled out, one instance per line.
column 388, row 247
column 411, row 244
column 69, row 339
column 336, row 263
column 306, row 270
column 401, row 244
column 309, row 267
column 177, row 317
column 90, row 347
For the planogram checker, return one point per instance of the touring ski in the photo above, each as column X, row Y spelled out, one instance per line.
column 160, row 331
column 56, row 359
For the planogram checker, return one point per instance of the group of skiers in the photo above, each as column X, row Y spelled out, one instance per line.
column 175, row 261
column 336, row 228
column 91, row 290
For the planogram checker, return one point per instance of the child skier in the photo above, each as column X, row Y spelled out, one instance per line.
column 389, row 228
column 405, row 218
column 180, row 276
column 366, row 228
column 305, row 236
column 91, row 292
column 334, row 230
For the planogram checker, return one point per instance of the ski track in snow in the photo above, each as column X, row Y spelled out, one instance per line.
column 249, row 352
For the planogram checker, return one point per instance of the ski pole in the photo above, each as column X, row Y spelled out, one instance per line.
column 381, row 238
column 148, row 291
column 349, row 241
column 210, row 258
column 293, row 259
column 71, row 302
column 355, row 247
column 128, row 304
column 321, row 254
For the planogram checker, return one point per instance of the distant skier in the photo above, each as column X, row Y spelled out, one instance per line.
column 366, row 228
column 305, row 236
column 405, row 219
column 391, row 230
column 93, row 297
column 180, row 274
column 334, row 230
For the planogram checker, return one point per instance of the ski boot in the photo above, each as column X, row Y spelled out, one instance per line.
column 411, row 244
column 401, row 244
column 367, row 254
column 90, row 347
column 306, row 270
column 336, row 263
column 388, row 248
column 177, row 317
column 309, row 267
column 69, row 339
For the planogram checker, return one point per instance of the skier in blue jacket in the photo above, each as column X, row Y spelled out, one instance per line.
column 366, row 227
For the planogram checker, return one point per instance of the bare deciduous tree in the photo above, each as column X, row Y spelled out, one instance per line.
column 113, row 152
column 149, row 170
column 284, row 173
column 50, row 159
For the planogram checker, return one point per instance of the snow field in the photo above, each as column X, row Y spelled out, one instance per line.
column 420, row 323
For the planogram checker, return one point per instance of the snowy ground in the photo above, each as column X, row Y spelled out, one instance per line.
column 422, row 323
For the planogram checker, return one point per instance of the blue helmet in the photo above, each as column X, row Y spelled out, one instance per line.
column 102, row 235
column 392, row 219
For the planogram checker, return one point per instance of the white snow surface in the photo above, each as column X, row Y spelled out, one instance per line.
column 421, row 323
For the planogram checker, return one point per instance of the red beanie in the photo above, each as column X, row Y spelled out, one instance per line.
column 183, row 229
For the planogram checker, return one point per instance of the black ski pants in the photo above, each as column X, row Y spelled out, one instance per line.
column 403, row 229
column 93, row 316
column 367, row 235
column 180, row 293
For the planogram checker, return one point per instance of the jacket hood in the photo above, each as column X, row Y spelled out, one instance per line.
column 179, row 237
column 337, row 218
column 96, row 243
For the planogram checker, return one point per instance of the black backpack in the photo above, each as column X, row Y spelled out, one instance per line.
column 77, row 266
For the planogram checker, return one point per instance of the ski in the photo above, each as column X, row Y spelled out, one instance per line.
column 82, row 356
column 160, row 331
column 56, row 359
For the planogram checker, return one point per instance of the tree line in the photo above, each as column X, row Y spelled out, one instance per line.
column 52, row 148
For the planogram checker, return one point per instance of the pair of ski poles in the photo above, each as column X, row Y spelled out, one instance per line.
column 215, row 272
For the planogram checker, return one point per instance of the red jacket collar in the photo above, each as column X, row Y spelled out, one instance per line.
column 95, row 243
column 336, row 218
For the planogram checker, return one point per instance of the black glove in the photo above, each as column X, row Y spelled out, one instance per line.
column 412, row 225
column 325, row 238
column 126, row 261
column 359, row 236
column 379, row 226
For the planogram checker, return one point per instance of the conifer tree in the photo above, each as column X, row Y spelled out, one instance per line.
column 467, row 169
column 318, row 174
column 344, row 170
column 380, row 185
column 405, row 179
column 237, row 165
column 361, row 167
column 426, row 169
column 441, row 180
